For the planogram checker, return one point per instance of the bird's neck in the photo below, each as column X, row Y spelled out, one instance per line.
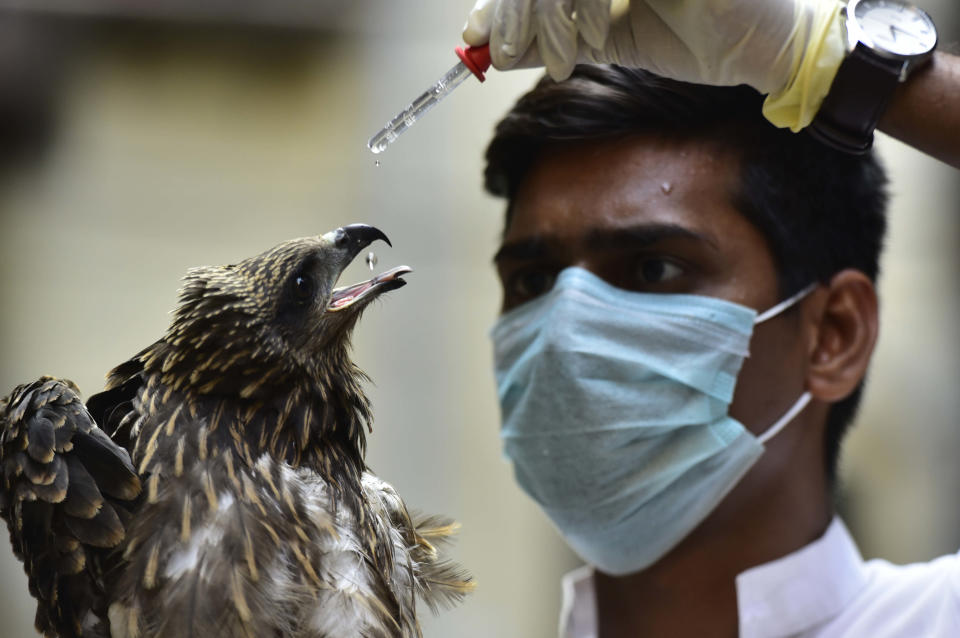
column 320, row 427
column 306, row 424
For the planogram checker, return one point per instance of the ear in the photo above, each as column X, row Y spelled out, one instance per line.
column 845, row 331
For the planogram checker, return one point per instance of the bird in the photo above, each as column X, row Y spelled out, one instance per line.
column 217, row 485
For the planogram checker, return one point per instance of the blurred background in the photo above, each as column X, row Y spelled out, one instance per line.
column 140, row 139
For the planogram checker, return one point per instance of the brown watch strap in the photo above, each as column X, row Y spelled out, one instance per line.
column 859, row 95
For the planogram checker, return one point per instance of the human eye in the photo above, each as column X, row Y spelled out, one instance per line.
column 657, row 270
column 525, row 284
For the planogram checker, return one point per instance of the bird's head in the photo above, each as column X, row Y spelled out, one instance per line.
column 271, row 319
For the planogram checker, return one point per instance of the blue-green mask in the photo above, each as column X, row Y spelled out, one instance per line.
column 614, row 408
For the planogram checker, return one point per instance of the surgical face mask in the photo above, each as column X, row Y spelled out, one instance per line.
column 614, row 408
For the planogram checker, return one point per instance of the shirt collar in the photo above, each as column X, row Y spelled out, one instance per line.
column 780, row 598
column 578, row 615
column 803, row 589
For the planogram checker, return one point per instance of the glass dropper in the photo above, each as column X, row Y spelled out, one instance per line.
column 473, row 61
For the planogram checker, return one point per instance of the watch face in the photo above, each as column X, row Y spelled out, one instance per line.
column 895, row 27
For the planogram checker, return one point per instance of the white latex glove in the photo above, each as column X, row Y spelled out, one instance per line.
column 788, row 49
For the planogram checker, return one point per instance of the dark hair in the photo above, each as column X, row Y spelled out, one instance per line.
column 820, row 210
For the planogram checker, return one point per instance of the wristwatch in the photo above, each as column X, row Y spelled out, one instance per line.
column 887, row 40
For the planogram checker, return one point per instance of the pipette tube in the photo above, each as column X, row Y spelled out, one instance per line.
column 473, row 61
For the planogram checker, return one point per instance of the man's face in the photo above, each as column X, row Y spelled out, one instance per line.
column 653, row 215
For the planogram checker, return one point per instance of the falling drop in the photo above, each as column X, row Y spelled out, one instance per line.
column 376, row 163
column 666, row 187
column 371, row 260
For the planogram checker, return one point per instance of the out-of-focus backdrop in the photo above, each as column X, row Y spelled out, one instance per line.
column 139, row 139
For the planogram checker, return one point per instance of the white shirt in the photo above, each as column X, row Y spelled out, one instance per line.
column 823, row 590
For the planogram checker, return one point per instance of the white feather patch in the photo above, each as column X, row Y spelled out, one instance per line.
column 209, row 535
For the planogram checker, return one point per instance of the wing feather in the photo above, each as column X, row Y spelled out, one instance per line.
column 83, row 499
column 65, row 486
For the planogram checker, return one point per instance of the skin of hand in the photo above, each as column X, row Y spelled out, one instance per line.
column 925, row 110
column 585, row 205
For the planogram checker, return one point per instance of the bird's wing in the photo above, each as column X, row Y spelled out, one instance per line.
column 113, row 408
column 64, row 490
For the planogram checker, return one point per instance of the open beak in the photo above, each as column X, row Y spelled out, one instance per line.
column 349, row 241
column 347, row 296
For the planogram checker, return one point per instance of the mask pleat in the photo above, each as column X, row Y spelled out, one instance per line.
column 615, row 412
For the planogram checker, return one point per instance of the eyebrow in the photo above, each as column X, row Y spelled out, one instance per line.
column 642, row 235
column 523, row 249
column 599, row 239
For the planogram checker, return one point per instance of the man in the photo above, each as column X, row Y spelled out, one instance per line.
column 657, row 231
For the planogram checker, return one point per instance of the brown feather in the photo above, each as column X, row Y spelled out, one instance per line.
column 249, row 404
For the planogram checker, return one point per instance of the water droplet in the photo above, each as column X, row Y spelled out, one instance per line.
column 371, row 260
column 376, row 163
column 666, row 187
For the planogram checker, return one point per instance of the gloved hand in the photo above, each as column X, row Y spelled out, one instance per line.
column 787, row 49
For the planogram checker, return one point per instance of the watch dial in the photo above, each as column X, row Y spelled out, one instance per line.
column 899, row 28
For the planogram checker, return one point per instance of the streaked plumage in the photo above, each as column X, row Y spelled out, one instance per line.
column 231, row 496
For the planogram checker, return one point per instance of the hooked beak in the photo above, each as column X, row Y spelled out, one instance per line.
column 353, row 239
column 356, row 237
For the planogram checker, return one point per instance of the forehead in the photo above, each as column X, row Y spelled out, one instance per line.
column 574, row 189
column 576, row 195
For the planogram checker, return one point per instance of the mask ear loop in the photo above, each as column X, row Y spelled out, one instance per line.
column 804, row 399
column 783, row 305
column 782, row 422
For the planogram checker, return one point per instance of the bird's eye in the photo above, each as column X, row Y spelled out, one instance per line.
column 303, row 288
